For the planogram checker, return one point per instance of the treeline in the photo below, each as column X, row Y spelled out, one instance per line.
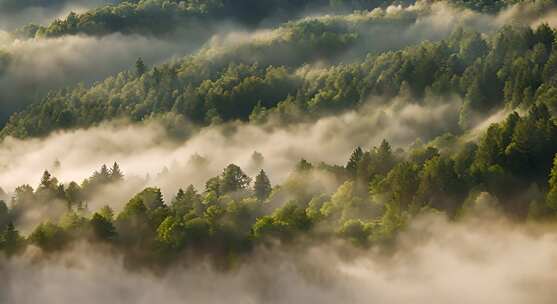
column 378, row 192
column 514, row 67
column 243, row 74
column 160, row 17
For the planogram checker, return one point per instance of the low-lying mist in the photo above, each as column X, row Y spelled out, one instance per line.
column 147, row 149
column 478, row 260
column 36, row 66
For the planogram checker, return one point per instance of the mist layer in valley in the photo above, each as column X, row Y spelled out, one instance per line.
column 484, row 260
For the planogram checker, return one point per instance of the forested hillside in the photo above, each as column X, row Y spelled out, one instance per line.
column 513, row 67
column 158, row 17
column 379, row 191
column 323, row 151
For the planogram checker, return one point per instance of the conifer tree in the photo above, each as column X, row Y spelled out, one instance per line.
column 262, row 186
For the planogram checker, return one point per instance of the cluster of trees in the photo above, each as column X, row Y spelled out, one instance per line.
column 166, row 16
column 52, row 198
column 158, row 17
column 514, row 67
column 245, row 74
column 378, row 191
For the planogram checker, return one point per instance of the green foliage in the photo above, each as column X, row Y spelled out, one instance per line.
column 439, row 185
column 355, row 158
column 552, row 192
column 140, row 67
column 345, row 204
column 249, row 80
column 163, row 17
column 233, row 179
column 49, row 237
column 230, row 219
column 185, row 202
column 262, row 186
column 103, row 228
column 284, row 223
column 10, row 240
column 355, row 231
column 400, row 185
column 4, row 215
column 171, row 233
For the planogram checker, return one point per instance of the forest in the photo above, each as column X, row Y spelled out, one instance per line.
column 325, row 151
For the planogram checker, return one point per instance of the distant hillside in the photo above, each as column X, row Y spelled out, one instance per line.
column 514, row 66
column 158, row 17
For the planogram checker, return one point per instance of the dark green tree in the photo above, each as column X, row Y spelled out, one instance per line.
column 355, row 158
column 140, row 67
column 116, row 173
column 4, row 215
column 234, row 179
column 551, row 198
column 49, row 237
column 103, row 228
column 262, row 186
column 186, row 201
column 10, row 240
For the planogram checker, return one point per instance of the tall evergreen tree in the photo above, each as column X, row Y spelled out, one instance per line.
column 116, row 173
column 102, row 227
column 46, row 180
column 10, row 240
column 352, row 165
column 262, row 186
column 234, row 179
column 140, row 67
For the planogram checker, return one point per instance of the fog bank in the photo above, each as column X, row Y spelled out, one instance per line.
column 475, row 261
column 36, row 66
column 146, row 149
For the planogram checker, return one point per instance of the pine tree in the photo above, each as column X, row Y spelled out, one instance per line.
column 104, row 171
column 116, row 173
column 107, row 213
column 73, row 195
column 384, row 158
column 140, row 67
column 352, row 165
column 102, row 227
column 262, row 186
column 185, row 200
column 46, row 179
column 4, row 214
column 180, row 195
column 234, row 179
column 10, row 240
